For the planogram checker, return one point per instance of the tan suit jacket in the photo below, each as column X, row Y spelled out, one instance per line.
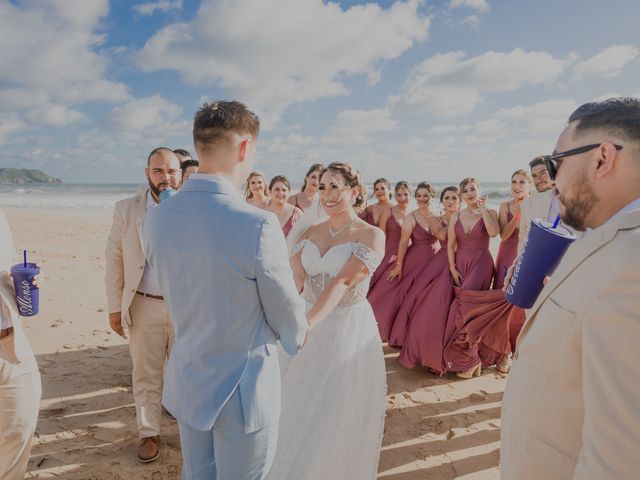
column 124, row 254
column 536, row 206
column 571, row 408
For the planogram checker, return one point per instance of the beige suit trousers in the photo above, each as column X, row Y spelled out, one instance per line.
column 151, row 337
column 19, row 405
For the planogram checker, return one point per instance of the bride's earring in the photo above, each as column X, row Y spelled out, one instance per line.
column 353, row 201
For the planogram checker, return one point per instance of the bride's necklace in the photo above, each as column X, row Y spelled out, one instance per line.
column 341, row 229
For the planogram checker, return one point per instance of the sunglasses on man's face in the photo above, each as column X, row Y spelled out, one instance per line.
column 551, row 161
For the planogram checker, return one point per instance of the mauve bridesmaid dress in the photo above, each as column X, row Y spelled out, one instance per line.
column 367, row 215
column 286, row 228
column 425, row 312
column 390, row 250
column 506, row 254
column 386, row 297
column 475, row 264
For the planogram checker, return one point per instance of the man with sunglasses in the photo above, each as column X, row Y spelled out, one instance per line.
column 570, row 408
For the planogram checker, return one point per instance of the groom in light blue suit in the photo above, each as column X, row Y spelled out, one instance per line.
column 223, row 268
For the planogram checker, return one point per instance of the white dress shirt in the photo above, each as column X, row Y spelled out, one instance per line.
column 149, row 282
column 554, row 208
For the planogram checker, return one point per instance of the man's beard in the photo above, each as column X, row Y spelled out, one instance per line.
column 156, row 189
column 577, row 208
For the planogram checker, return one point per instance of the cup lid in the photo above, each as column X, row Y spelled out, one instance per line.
column 560, row 230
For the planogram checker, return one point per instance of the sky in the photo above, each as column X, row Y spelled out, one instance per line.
column 416, row 90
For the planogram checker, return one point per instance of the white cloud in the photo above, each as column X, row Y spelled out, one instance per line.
column 149, row 8
column 52, row 65
column 143, row 113
column 472, row 21
column 274, row 53
column 149, row 120
column 356, row 126
column 608, row 63
column 479, row 5
column 9, row 124
column 55, row 115
column 545, row 117
column 449, row 84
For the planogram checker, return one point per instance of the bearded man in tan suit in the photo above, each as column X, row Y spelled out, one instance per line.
column 134, row 295
column 20, row 387
column 571, row 405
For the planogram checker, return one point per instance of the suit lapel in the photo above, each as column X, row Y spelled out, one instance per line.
column 140, row 209
column 579, row 251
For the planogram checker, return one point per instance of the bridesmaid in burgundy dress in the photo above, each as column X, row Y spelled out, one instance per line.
column 426, row 307
column 388, row 294
column 372, row 214
column 305, row 197
column 287, row 214
column 488, row 313
column 391, row 224
column 509, row 218
column 471, row 267
column 256, row 192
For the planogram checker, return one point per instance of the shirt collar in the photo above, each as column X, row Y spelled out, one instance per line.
column 150, row 201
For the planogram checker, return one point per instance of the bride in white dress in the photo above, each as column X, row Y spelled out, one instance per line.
column 333, row 391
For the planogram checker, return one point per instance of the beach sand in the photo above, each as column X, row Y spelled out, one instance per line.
column 436, row 428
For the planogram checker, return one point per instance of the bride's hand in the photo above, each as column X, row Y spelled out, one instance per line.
column 396, row 272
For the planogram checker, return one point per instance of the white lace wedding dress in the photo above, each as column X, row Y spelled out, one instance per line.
column 334, row 390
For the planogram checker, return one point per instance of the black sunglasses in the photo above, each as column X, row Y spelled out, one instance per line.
column 551, row 161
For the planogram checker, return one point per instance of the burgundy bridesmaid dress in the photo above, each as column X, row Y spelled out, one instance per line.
column 367, row 216
column 390, row 250
column 475, row 264
column 386, row 297
column 298, row 204
column 425, row 312
column 286, row 228
column 506, row 254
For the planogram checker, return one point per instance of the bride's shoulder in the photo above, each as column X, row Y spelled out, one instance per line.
column 371, row 236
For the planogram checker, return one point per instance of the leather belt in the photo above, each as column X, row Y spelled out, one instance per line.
column 148, row 295
column 6, row 332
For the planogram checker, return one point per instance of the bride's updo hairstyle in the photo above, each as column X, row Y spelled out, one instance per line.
column 352, row 179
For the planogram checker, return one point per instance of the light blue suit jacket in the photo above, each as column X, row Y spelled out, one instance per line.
column 224, row 270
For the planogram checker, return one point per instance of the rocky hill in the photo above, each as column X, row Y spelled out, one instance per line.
column 25, row 175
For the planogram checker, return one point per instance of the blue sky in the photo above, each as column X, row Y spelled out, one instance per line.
column 412, row 89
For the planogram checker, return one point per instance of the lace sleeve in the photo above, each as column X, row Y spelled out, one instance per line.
column 367, row 256
column 298, row 247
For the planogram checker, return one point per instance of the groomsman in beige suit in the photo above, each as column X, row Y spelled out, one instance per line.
column 20, row 387
column 134, row 296
column 571, row 406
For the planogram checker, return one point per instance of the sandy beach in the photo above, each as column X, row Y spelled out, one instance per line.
column 436, row 428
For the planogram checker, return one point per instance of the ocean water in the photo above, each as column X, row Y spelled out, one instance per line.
column 102, row 197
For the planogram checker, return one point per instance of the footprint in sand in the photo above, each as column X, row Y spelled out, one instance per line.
column 58, row 322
